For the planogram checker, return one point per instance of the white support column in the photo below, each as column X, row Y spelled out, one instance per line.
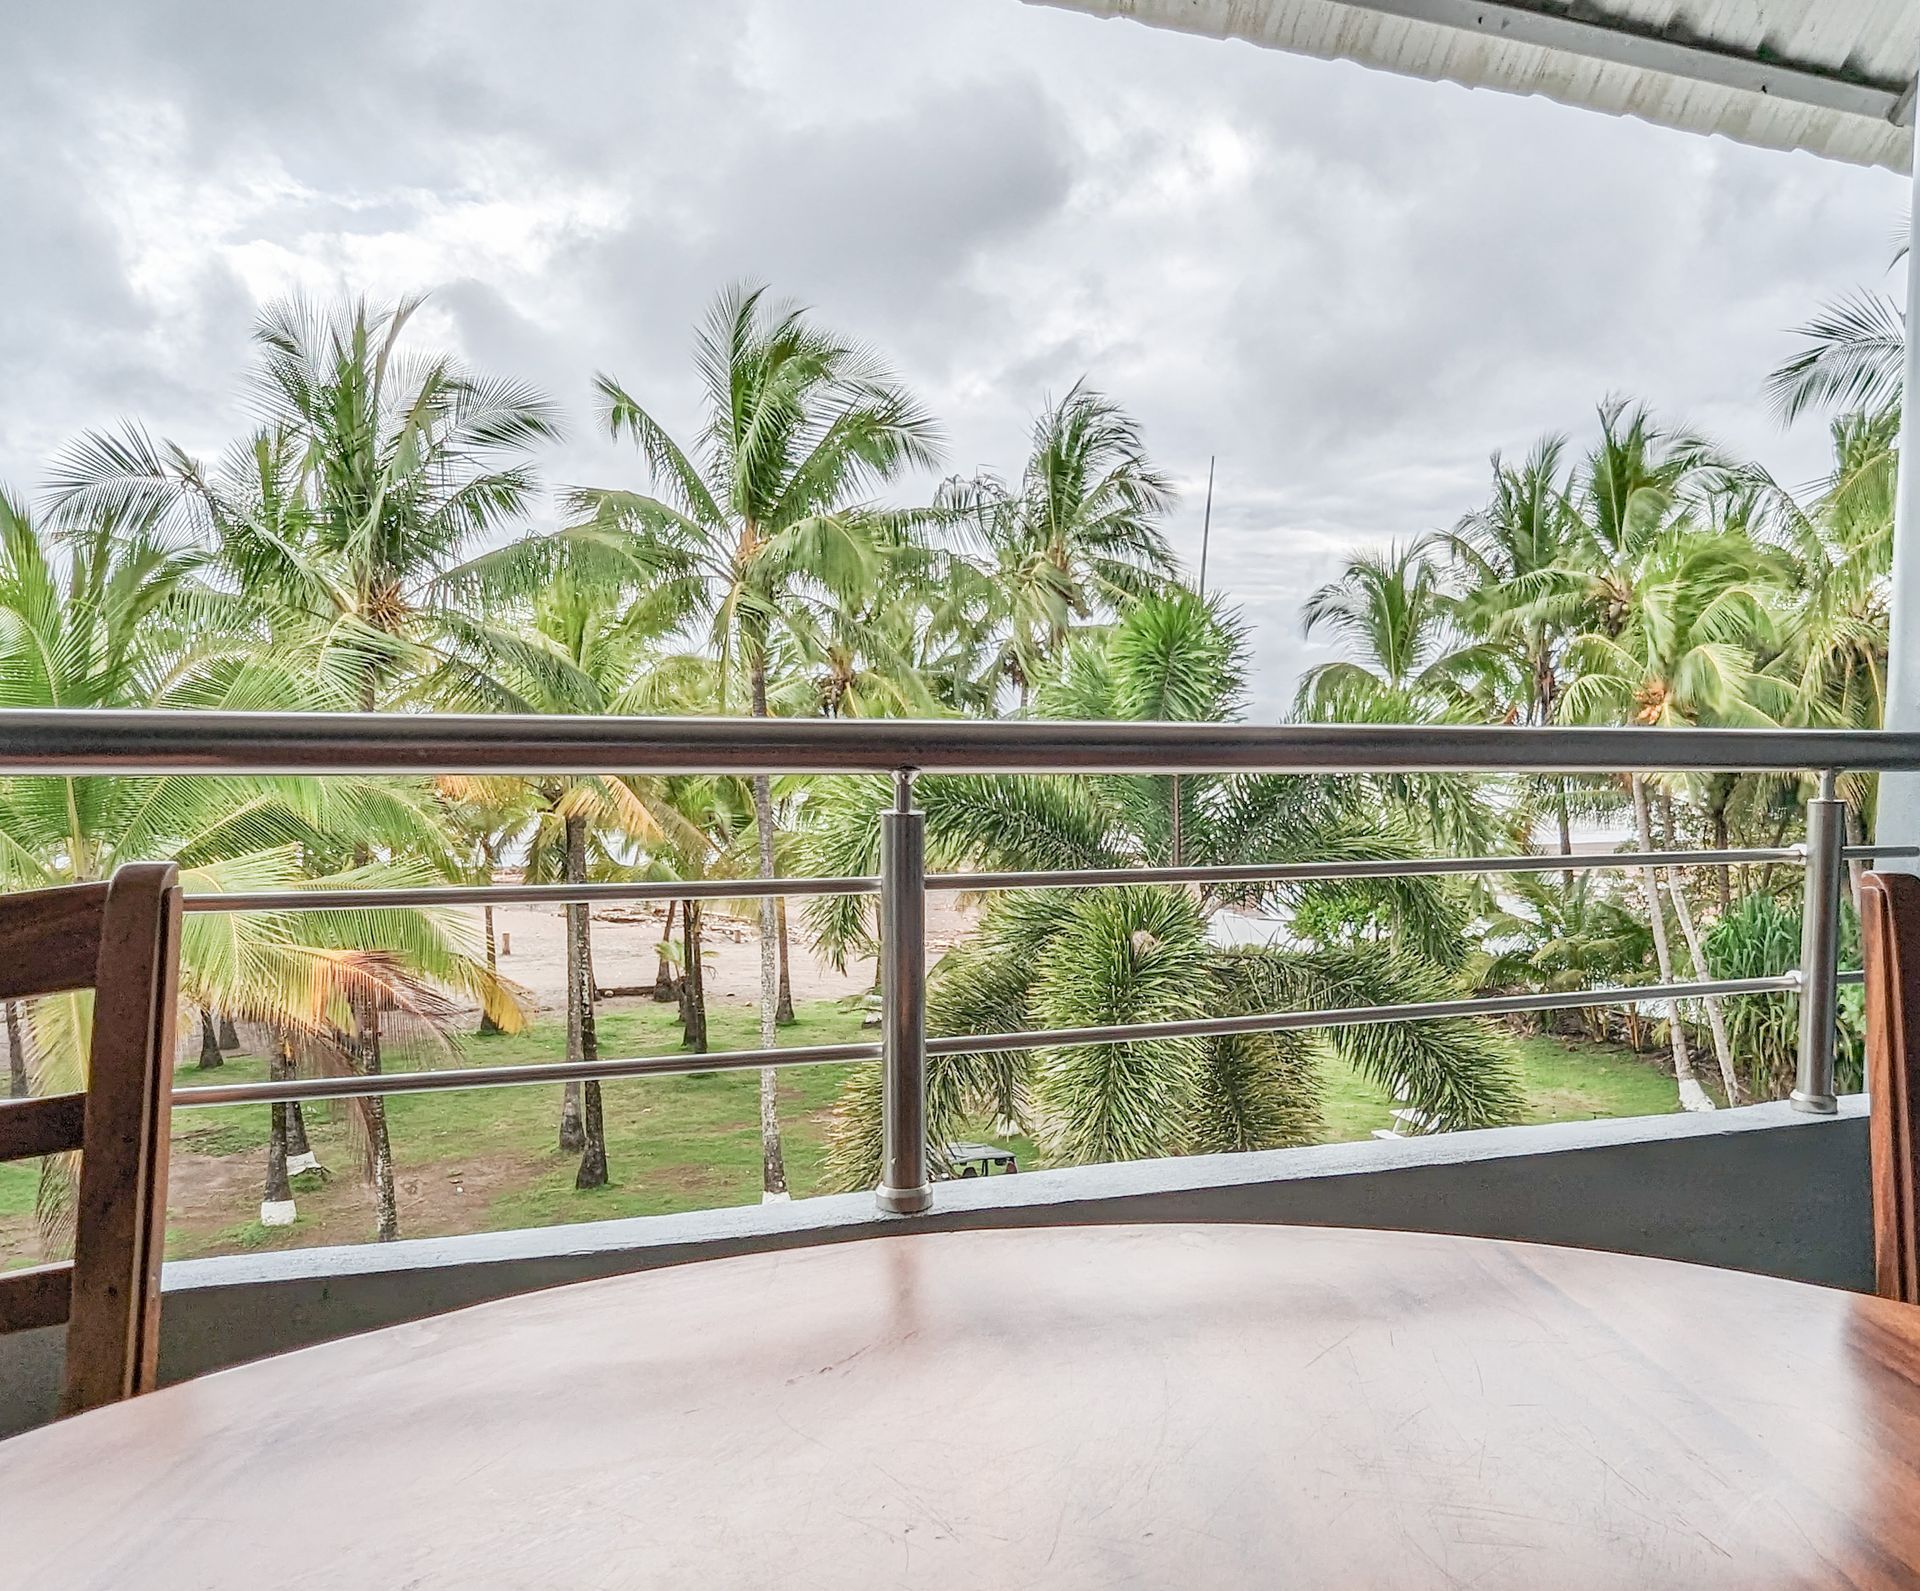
column 1899, row 816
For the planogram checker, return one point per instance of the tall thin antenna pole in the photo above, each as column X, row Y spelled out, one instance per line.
column 1206, row 527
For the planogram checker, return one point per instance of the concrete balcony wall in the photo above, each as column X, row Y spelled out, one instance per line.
column 1762, row 1188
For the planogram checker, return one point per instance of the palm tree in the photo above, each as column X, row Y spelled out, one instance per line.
column 486, row 819
column 1517, row 558
column 350, row 515
column 1854, row 360
column 857, row 655
column 1515, row 553
column 115, row 619
column 344, row 520
column 1393, row 615
column 1682, row 653
column 1390, row 611
column 962, row 647
column 1045, row 959
column 1634, row 492
column 801, row 425
column 1841, row 553
column 1838, row 551
column 1078, row 540
column 1829, row 644
column 1560, row 938
column 711, row 832
column 584, row 651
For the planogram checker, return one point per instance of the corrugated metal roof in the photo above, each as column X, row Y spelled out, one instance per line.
column 1829, row 76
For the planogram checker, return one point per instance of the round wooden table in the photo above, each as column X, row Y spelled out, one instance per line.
column 1109, row 1406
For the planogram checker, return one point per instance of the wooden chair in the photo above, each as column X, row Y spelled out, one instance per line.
column 1890, row 948
column 122, row 940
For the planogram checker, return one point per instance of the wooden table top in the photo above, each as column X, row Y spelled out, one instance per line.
column 1096, row 1406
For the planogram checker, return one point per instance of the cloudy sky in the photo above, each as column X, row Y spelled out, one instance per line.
column 1351, row 287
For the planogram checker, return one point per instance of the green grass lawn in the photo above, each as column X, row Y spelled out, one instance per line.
column 487, row 1159
column 1565, row 1080
column 18, row 1178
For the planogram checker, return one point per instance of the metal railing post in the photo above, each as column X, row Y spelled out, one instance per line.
column 1820, row 950
column 904, row 1189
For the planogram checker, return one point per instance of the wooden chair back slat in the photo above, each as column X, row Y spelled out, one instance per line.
column 1890, row 949
column 30, row 1128
column 122, row 940
column 40, row 1296
column 50, row 939
column 113, row 1334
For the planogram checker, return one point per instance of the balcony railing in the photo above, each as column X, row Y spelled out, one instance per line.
column 144, row 743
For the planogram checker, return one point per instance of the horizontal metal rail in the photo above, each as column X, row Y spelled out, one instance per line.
column 1358, row 1016
column 1393, row 867
column 355, row 1086
column 1061, row 878
column 521, row 894
column 57, row 741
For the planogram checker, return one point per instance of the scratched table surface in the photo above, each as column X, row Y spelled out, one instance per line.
column 1194, row 1407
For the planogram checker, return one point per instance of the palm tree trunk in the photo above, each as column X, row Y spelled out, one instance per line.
column 1779, row 839
column 1721, row 840
column 229, row 1034
column 300, row 1155
column 583, row 1042
column 366, row 1046
column 18, row 1083
column 573, row 1131
column 1716, row 1016
column 1546, row 699
column 593, row 1163
column 1856, row 866
column 489, row 1027
column 209, row 1044
column 693, row 981
column 276, row 1199
column 1692, row 1095
column 773, row 1169
column 1683, row 913
column 663, row 989
column 1565, row 821
column 783, row 1012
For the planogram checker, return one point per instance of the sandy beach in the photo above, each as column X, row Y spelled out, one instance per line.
column 534, row 952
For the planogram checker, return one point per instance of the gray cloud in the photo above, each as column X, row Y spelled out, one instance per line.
column 1350, row 287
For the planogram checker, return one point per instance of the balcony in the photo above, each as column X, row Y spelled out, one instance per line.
column 1779, row 1189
